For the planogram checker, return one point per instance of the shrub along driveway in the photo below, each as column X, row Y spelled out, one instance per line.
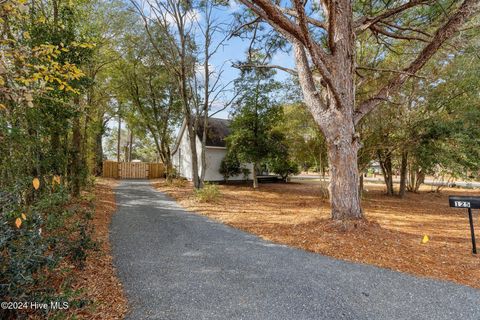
column 179, row 265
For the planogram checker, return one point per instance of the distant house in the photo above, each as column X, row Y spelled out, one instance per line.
column 215, row 151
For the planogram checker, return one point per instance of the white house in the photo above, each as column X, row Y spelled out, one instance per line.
column 215, row 151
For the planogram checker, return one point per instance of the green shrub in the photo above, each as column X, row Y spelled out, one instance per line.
column 283, row 167
column 245, row 173
column 52, row 229
column 209, row 193
column 230, row 166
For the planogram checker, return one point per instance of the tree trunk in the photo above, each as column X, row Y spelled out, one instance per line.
column 403, row 174
column 76, row 155
column 334, row 116
column 55, row 153
column 416, row 178
column 98, row 153
column 125, row 153
column 193, row 146
column 203, row 155
column 169, row 171
column 420, row 179
column 344, row 180
column 361, row 185
column 254, row 175
column 119, row 134
column 130, row 147
column 387, row 170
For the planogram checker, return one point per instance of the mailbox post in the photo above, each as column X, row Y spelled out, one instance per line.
column 468, row 203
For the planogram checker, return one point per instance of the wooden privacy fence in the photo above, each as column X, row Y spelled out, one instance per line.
column 110, row 169
column 133, row 170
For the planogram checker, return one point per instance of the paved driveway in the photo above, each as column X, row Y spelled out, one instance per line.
column 178, row 265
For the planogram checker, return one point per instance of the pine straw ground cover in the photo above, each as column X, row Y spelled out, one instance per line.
column 294, row 214
column 97, row 283
column 98, row 280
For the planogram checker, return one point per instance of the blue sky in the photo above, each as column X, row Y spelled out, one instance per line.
column 235, row 50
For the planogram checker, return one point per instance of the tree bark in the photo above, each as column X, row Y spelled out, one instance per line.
column 119, row 134
column 344, row 180
column 55, row 152
column 387, row 170
column 203, row 155
column 193, row 146
column 403, row 174
column 76, row 159
column 335, row 119
column 254, row 176
column 361, row 185
column 98, row 153
column 420, row 180
column 130, row 147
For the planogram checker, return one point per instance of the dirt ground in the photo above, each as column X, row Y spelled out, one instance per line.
column 98, row 280
column 294, row 214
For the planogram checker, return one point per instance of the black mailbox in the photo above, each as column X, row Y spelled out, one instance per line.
column 464, row 202
column 468, row 203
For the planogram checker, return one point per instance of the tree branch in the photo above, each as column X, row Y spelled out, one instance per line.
column 364, row 23
column 310, row 92
column 314, row 22
column 269, row 12
column 466, row 10
column 391, row 70
column 389, row 34
column 266, row 66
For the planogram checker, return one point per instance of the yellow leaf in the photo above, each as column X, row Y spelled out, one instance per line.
column 36, row 183
column 2, row 107
column 62, row 87
column 18, row 222
column 56, row 180
column 24, row 217
column 425, row 239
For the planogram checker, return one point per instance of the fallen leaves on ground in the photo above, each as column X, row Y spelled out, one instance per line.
column 98, row 279
column 391, row 236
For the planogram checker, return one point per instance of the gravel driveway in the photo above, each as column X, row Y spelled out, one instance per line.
column 178, row 265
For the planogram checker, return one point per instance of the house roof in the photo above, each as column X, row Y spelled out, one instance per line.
column 217, row 131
